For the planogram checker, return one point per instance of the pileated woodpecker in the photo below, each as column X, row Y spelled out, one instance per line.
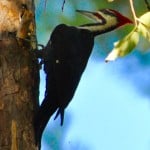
column 65, row 58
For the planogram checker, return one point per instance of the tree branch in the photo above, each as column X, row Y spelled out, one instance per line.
column 133, row 12
column 63, row 5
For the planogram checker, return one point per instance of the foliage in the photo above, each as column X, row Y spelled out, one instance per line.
column 129, row 42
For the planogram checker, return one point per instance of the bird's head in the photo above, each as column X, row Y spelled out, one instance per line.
column 105, row 20
column 120, row 19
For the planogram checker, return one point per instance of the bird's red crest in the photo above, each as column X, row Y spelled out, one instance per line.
column 121, row 18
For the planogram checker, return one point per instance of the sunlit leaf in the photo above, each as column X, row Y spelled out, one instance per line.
column 129, row 42
column 144, row 45
column 144, row 26
column 145, row 19
column 144, row 30
column 124, row 46
column 110, row 0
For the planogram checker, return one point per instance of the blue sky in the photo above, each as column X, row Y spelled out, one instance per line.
column 107, row 112
column 112, row 115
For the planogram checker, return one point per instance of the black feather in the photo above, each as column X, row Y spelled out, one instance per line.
column 65, row 58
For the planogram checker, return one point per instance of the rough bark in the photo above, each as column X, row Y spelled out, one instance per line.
column 19, row 81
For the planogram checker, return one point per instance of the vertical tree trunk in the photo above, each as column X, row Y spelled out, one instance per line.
column 19, row 80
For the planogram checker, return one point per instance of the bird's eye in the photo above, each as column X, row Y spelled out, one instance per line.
column 57, row 61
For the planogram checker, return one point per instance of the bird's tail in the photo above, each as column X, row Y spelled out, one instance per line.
column 42, row 117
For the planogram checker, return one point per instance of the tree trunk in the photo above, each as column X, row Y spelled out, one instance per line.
column 19, row 78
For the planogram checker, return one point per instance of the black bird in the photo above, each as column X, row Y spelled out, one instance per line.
column 65, row 58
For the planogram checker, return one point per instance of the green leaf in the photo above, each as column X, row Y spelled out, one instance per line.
column 144, row 26
column 145, row 19
column 129, row 42
column 110, row 0
column 124, row 46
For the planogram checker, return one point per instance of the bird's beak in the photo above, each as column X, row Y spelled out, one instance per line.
column 92, row 15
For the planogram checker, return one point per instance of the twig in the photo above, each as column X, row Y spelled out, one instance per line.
column 147, row 4
column 133, row 12
column 63, row 5
column 45, row 4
